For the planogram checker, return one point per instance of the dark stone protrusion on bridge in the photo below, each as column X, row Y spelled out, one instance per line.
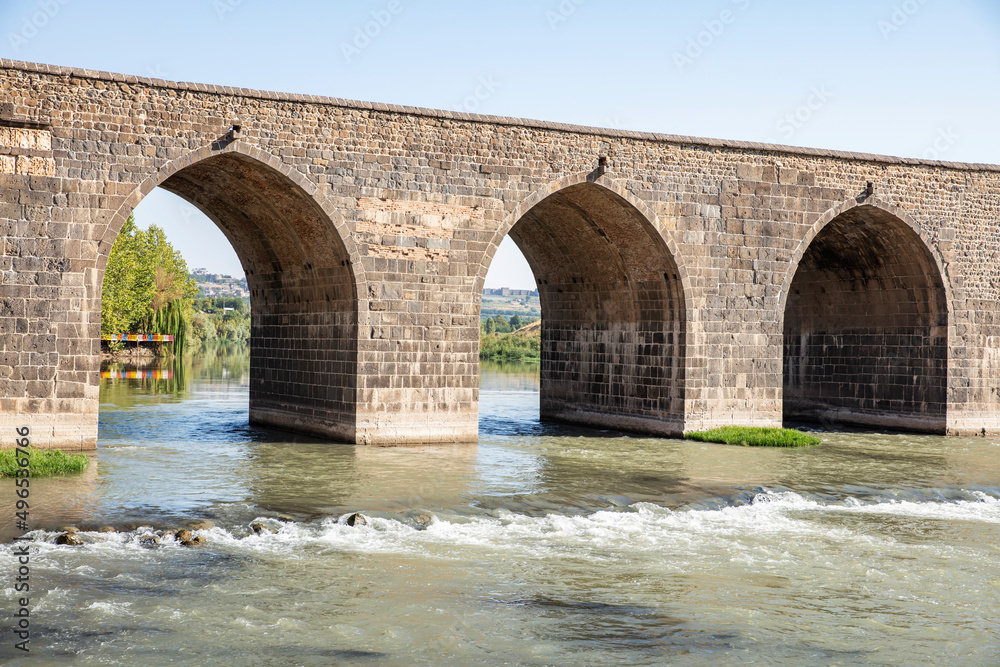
column 685, row 283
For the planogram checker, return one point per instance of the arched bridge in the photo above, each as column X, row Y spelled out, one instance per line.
column 684, row 282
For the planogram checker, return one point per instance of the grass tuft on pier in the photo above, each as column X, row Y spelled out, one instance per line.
column 755, row 436
column 42, row 462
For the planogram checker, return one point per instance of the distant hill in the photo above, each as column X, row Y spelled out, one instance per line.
column 531, row 329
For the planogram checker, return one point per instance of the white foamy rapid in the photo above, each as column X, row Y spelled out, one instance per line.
column 769, row 522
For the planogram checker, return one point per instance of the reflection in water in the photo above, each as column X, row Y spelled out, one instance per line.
column 508, row 376
column 541, row 544
column 137, row 374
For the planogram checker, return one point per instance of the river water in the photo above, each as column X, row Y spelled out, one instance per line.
column 540, row 545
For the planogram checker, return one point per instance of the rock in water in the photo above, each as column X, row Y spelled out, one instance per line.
column 106, row 529
column 204, row 524
column 422, row 520
column 149, row 540
column 195, row 542
column 357, row 519
column 69, row 538
column 183, row 535
column 259, row 528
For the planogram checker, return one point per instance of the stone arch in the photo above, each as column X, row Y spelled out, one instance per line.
column 613, row 302
column 341, row 236
column 865, row 321
column 305, row 281
column 607, row 183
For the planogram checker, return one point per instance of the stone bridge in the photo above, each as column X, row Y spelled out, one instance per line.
column 685, row 283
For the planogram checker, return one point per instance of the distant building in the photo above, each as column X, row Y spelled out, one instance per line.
column 213, row 284
column 506, row 291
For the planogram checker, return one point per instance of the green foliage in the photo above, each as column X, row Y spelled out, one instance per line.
column 128, row 287
column 221, row 319
column 510, row 347
column 498, row 324
column 171, row 319
column 146, row 285
column 42, row 462
column 750, row 436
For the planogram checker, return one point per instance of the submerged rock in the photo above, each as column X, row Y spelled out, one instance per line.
column 284, row 518
column 183, row 535
column 69, row 529
column 421, row 520
column 195, row 542
column 107, row 529
column 357, row 519
column 149, row 540
column 69, row 538
column 259, row 527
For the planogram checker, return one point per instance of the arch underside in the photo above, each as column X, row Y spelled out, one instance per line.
column 303, row 338
column 866, row 328
column 612, row 312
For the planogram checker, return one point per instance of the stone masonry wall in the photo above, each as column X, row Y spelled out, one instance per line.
column 394, row 216
column 866, row 327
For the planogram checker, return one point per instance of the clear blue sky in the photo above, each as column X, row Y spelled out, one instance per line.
column 915, row 78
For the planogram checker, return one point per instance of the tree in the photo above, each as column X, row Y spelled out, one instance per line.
column 515, row 322
column 491, row 326
column 128, row 287
column 146, row 288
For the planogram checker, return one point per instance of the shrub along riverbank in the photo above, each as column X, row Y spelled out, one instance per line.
column 510, row 347
column 502, row 340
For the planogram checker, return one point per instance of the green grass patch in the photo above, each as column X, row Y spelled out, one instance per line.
column 42, row 462
column 755, row 436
